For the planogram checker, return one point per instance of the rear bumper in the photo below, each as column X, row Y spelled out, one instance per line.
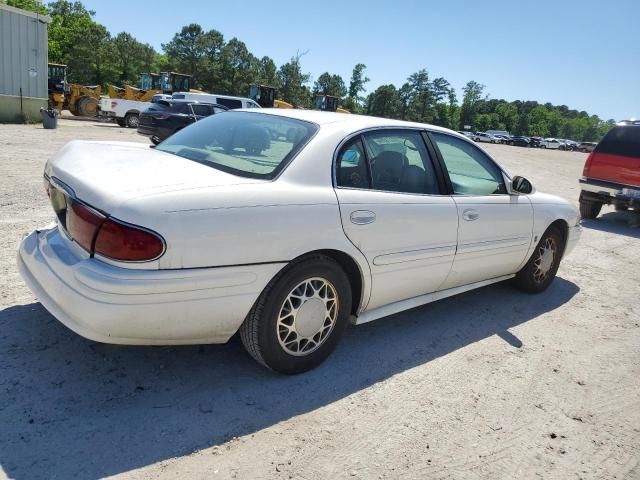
column 609, row 192
column 138, row 307
column 102, row 114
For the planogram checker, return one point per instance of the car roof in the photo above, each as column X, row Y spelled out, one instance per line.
column 350, row 121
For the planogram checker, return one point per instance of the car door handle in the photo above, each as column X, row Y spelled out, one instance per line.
column 362, row 217
column 470, row 215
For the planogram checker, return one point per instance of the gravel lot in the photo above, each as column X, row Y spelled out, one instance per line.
column 489, row 384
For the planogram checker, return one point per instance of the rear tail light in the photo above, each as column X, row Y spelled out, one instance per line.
column 160, row 116
column 129, row 243
column 82, row 223
column 587, row 165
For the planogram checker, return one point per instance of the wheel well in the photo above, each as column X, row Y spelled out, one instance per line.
column 132, row 112
column 563, row 228
column 352, row 270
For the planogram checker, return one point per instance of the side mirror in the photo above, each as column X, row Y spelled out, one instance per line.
column 521, row 185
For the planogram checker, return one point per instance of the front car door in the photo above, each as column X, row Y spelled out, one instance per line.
column 389, row 190
column 495, row 228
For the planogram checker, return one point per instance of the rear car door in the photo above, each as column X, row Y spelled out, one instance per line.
column 389, row 191
column 495, row 228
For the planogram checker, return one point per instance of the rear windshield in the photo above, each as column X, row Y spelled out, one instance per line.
column 621, row 140
column 242, row 143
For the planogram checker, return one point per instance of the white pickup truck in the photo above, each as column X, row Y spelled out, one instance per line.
column 125, row 112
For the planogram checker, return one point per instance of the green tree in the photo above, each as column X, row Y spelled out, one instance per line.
column 76, row 40
column 384, row 102
column 195, row 52
column 293, row 82
column 329, row 84
column 238, row 69
column 472, row 95
column 357, row 83
column 30, row 5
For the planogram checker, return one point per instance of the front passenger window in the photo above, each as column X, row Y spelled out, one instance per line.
column 471, row 172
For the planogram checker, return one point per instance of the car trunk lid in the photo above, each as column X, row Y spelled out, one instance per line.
column 105, row 174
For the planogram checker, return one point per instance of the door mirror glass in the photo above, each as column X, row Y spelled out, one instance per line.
column 521, row 185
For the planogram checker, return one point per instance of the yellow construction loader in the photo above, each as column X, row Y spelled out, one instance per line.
column 81, row 100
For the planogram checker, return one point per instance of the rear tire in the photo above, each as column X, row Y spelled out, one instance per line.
column 543, row 265
column 296, row 322
column 589, row 210
column 132, row 120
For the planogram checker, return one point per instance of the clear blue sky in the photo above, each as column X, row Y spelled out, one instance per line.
column 581, row 53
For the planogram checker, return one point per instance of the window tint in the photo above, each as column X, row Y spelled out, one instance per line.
column 351, row 166
column 400, row 162
column 621, row 140
column 201, row 110
column 470, row 170
column 229, row 102
column 242, row 143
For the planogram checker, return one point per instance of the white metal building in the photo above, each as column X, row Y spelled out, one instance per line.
column 23, row 64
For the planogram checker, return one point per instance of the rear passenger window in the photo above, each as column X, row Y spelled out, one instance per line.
column 229, row 102
column 400, row 162
column 351, row 166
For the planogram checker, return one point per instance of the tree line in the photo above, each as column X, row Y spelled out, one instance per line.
column 95, row 56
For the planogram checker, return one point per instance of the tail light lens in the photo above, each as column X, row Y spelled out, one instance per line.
column 587, row 165
column 128, row 243
column 82, row 223
column 159, row 116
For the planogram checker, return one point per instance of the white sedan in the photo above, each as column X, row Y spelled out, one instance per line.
column 284, row 225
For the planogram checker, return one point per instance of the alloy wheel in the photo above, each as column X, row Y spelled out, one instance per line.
column 543, row 264
column 307, row 316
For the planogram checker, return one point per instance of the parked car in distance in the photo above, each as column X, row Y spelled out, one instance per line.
column 519, row 141
column 570, row 145
column 552, row 143
column 162, row 119
column 504, row 139
column 587, row 147
column 348, row 218
column 535, row 141
column 499, row 133
column 467, row 133
column 611, row 172
column 227, row 100
column 484, row 137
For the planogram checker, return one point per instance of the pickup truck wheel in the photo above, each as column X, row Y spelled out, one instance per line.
column 132, row 120
column 121, row 122
column 590, row 210
column 297, row 320
column 543, row 265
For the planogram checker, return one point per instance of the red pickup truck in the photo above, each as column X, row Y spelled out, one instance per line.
column 611, row 173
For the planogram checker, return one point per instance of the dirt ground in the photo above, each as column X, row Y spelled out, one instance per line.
column 489, row 384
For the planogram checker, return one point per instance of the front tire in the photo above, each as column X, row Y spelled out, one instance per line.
column 543, row 265
column 297, row 320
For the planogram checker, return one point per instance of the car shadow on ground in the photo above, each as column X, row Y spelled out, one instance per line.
column 621, row 223
column 73, row 408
